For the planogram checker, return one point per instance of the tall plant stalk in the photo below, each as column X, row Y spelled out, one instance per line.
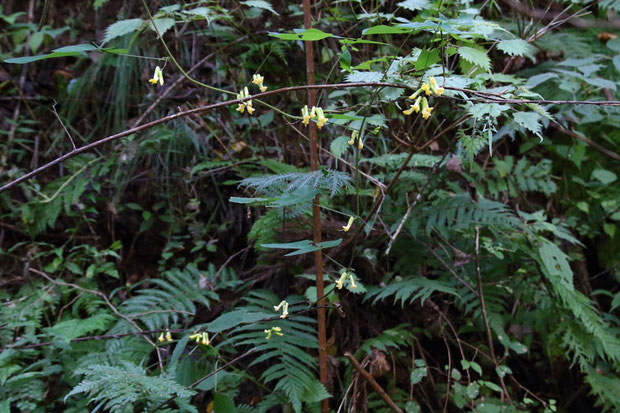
column 316, row 212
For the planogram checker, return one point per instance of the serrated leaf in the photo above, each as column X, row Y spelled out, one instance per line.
column 528, row 120
column 121, row 28
column 475, row 56
column 339, row 146
column 364, row 77
column 418, row 374
column 515, row 47
column 260, row 4
column 162, row 25
column 414, row 5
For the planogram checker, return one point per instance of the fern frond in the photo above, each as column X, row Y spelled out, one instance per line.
column 408, row 290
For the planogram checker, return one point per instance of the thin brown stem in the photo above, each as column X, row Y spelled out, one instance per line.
column 386, row 398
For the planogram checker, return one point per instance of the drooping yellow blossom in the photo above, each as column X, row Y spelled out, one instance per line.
column 354, row 136
column 347, row 227
column 168, row 336
column 307, row 115
column 426, row 88
column 158, row 76
column 413, row 108
column 201, row 338
column 284, row 305
column 415, row 94
column 205, row 339
column 321, row 120
column 258, row 80
column 352, row 281
column 247, row 104
column 161, row 338
column 274, row 330
column 341, row 280
column 434, row 87
column 426, row 110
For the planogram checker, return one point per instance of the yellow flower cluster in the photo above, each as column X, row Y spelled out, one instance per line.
column 247, row 104
column 315, row 112
column 274, row 330
column 355, row 136
column 167, row 337
column 258, row 81
column 284, row 306
column 158, row 76
column 343, row 278
column 421, row 103
column 201, row 338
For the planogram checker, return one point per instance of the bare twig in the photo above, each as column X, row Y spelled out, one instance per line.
column 62, row 124
column 386, row 398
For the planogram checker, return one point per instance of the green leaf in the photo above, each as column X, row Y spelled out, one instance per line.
column 604, row 176
column 309, row 35
column 476, row 56
column 473, row 390
column 260, row 4
column 529, row 120
column 414, row 5
column 162, row 25
column 382, row 29
column 426, row 59
column 516, row 47
column 234, row 318
column 364, row 77
column 222, row 403
column 35, row 41
column 121, row 28
column 418, row 374
column 303, row 247
column 339, row 146
column 555, row 262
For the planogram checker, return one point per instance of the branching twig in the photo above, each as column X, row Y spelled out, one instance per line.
column 62, row 124
column 386, row 398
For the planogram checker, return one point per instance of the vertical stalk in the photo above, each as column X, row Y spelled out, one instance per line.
column 316, row 212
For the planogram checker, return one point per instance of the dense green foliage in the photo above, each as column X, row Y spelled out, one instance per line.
column 471, row 251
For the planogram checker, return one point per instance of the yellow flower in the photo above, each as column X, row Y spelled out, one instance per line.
column 284, row 305
column 416, row 105
column 161, row 338
column 245, row 105
column 436, row 89
column 250, row 108
column 168, row 336
column 408, row 111
column 415, row 94
column 426, row 88
column 348, row 226
column 306, row 115
column 158, row 76
column 341, row 280
column 258, row 79
column 432, row 81
column 263, row 88
column 352, row 281
column 205, row 339
column 360, row 144
column 240, row 108
column 426, row 112
column 321, row 119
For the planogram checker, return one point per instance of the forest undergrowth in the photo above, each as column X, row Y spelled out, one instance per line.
column 274, row 206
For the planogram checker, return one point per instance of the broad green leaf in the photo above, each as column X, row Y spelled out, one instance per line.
column 162, row 25
column 260, row 4
column 66, row 51
column 600, row 82
column 364, row 77
column 475, row 56
column 426, row 59
column 222, row 403
column 556, row 265
column 418, row 374
column 309, row 35
column 473, row 390
column 515, row 47
column 35, row 41
column 414, row 5
column 121, row 28
column 604, row 176
column 339, row 146
column 234, row 318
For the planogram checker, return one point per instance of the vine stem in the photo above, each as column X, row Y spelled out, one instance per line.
column 316, row 213
column 207, row 108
